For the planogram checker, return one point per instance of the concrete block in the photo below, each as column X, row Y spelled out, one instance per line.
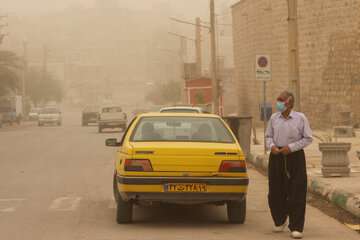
column 335, row 160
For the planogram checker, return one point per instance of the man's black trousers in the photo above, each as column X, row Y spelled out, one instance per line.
column 287, row 189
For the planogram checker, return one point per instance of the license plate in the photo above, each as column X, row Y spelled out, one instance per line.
column 185, row 187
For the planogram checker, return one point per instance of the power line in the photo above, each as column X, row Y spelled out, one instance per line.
column 182, row 36
column 220, row 24
column 189, row 23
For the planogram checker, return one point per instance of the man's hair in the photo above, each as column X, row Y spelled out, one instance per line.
column 290, row 97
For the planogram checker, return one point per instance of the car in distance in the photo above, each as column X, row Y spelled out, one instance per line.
column 112, row 117
column 179, row 158
column 182, row 109
column 34, row 114
column 50, row 115
column 90, row 114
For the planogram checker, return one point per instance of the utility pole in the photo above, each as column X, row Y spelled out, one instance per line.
column 183, row 55
column 45, row 59
column 183, row 45
column 215, row 85
column 24, row 73
column 198, row 47
column 183, row 49
column 294, row 76
column 198, row 38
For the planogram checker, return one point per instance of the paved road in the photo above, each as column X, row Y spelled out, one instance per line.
column 55, row 184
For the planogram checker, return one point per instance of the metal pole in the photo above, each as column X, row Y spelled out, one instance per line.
column 215, row 85
column 24, row 69
column 45, row 53
column 24, row 99
column 264, row 115
column 183, row 49
column 294, row 78
column 183, row 59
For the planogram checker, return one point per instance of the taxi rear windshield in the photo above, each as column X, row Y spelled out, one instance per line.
column 181, row 129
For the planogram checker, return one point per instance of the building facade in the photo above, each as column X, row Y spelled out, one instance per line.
column 329, row 50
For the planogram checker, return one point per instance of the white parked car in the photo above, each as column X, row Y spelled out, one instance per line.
column 34, row 114
column 50, row 115
column 112, row 117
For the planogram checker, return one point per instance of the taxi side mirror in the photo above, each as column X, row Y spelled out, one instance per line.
column 112, row 142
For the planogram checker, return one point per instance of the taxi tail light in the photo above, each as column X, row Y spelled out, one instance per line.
column 233, row 166
column 138, row 165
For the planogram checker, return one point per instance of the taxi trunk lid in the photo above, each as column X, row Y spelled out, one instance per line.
column 185, row 157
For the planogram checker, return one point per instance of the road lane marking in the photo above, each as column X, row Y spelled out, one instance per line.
column 8, row 205
column 7, row 210
column 64, row 204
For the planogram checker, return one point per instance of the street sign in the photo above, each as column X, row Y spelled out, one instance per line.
column 263, row 68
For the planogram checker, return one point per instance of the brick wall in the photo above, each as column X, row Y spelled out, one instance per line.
column 329, row 55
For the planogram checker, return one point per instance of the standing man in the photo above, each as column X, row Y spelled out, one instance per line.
column 287, row 134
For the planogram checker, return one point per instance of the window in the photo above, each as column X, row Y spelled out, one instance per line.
column 181, row 129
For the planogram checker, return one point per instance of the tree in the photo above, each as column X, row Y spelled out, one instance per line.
column 41, row 90
column 199, row 97
column 167, row 93
column 9, row 66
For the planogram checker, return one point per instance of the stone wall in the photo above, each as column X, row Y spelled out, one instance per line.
column 329, row 50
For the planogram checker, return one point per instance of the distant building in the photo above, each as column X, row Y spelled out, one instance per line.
column 198, row 92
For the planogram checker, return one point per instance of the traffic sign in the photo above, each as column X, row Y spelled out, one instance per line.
column 263, row 68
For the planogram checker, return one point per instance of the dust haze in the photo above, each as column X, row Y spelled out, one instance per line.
column 111, row 50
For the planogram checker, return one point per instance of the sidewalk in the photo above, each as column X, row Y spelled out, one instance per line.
column 341, row 191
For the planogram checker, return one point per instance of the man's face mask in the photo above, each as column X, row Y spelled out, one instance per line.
column 281, row 104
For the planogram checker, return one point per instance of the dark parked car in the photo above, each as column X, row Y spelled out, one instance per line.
column 90, row 114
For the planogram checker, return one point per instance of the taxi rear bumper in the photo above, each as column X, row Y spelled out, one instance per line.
column 153, row 189
column 163, row 180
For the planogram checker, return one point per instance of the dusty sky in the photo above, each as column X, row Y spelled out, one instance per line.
column 21, row 6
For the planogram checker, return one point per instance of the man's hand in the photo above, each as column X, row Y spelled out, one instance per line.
column 275, row 150
column 285, row 150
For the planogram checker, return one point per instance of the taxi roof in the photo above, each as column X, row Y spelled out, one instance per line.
column 171, row 114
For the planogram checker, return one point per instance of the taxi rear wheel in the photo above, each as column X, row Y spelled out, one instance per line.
column 123, row 208
column 236, row 211
column 123, row 211
column 115, row 189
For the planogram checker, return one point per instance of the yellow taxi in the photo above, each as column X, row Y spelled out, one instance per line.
column 180, row 158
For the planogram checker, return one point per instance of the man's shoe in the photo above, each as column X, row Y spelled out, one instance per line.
column 280, row 228
column 297, row 235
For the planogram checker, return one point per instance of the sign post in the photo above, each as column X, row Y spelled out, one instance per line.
column 263, row 73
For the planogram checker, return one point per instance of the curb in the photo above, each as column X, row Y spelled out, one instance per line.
column 348, row 201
